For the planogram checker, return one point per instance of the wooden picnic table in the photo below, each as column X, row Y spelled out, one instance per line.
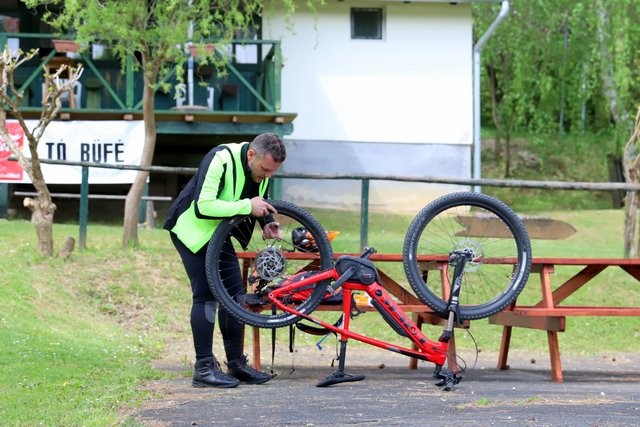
column 549, row 314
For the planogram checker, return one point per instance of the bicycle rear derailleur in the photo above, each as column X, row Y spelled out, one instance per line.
column 447, row 379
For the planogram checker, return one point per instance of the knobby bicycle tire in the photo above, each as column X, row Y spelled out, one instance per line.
column 481, row 225
column 242, row 289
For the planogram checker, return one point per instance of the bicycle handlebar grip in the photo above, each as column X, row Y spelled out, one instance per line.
column 368, row 252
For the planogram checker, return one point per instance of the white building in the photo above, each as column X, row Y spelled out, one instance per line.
column 380, row 88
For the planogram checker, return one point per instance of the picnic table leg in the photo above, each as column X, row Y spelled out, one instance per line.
column 504, row 348
column 554, row 354
column 256, row 347
column 552, row 336
column 505, row 343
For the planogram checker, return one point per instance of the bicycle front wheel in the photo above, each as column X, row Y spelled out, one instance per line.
column 242, row 268
column 475, row 224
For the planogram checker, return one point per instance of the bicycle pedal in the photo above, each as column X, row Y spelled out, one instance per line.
column 448, row 380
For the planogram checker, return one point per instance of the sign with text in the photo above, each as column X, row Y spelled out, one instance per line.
column 11, row 171
column 108, row 142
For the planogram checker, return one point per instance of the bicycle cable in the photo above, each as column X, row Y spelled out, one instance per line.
column 460, row 361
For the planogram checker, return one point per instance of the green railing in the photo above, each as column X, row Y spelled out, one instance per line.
column 253, row 86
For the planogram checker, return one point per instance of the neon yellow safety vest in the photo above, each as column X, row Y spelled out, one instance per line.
column 211, row 195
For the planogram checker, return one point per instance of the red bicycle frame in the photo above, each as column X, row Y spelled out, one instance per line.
column 432, row 351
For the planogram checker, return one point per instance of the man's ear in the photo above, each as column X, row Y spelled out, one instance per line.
column 251, row 153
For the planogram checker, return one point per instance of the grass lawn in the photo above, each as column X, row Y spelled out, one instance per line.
column 79, row 335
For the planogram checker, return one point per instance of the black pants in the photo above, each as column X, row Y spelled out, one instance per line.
column 203, row 309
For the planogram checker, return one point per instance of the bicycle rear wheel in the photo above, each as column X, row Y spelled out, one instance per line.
column 473, row 223
column 242, row 285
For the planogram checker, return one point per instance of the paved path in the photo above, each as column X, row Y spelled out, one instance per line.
column 597, row 391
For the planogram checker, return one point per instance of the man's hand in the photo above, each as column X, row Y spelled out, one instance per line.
column 260, row 208
column 271, row 231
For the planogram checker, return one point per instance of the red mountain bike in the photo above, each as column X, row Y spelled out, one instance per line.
column 481, row 242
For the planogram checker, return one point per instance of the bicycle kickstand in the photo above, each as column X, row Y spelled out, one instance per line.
column 340, row 376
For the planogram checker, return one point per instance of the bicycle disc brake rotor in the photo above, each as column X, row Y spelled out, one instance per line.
column 476, row 251
column 270, row 263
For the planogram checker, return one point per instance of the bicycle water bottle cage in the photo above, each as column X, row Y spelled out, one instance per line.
column 364, row 270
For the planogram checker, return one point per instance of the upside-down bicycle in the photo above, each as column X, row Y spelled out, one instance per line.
column 482, row 243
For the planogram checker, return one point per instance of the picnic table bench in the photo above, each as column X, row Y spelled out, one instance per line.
column 549, row 314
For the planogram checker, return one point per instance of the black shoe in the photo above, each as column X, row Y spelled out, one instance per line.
column 207, row 373
column 239, row 369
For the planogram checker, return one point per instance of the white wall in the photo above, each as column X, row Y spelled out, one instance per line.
column 414, row 86
column 399, row 106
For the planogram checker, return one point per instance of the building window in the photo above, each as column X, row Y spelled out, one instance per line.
column 366, row 23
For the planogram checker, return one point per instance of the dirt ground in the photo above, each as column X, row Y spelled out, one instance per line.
column 597, row 391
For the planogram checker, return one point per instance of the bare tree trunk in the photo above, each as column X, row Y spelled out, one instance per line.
column 66, row 250
column 630, row 224
column 42, row 208
column 507, row 155
column 631, row 163
column 608, row 74
column 42, row 219
column 134, row 196
column 502, row 130
column 493, row 92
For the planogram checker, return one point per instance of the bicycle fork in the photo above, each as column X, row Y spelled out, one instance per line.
column 459, row 260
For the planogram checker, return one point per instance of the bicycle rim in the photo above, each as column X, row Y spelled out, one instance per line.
column 242, row 285
column 480, row 225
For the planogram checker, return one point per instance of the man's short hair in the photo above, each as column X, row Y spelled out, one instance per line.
column 269, row 143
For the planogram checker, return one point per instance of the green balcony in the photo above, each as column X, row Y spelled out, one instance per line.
column 244, row 101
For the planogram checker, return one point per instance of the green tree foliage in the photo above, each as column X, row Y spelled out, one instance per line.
column 567, row 66
column 561, row 66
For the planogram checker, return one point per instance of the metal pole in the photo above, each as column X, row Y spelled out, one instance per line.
column 84, row 207
column 364, row 215
column 142, row 210
column 190, row 63
column 477, row 143
column 4, row 200
column 130, row 95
